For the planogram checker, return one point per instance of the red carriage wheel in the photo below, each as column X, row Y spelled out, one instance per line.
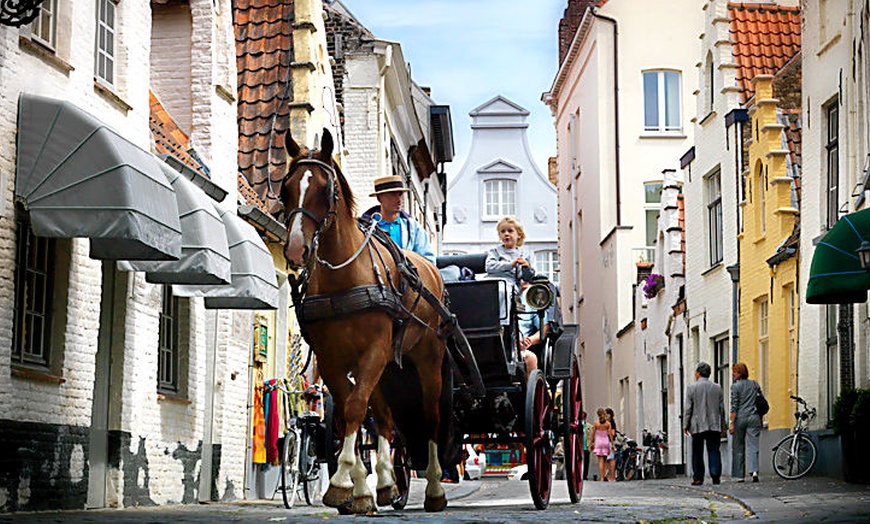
column 572, row 408
column 539, row 441
column 402, row 467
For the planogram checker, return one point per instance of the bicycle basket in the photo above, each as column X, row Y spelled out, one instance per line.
column 648, row 439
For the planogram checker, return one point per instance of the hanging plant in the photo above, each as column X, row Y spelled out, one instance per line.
column 653, row 284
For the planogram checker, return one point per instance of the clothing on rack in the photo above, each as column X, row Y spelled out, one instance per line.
column 258, row 444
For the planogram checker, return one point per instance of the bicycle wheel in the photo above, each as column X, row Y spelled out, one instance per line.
column 657, row 464
column 310, row 469
column 646, row 463
column 794, row 456
column 289, row 468
column 630, row 465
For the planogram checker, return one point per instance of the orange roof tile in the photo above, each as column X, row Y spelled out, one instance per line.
column 168, row 137
column 264, row 51
column 765, row 37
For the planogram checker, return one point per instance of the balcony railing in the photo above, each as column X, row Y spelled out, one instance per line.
column 644, row 255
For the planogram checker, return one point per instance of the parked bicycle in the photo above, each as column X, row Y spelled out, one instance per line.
column 627, row 457
column 300, row 460
column 794, row 455
column 651, row 464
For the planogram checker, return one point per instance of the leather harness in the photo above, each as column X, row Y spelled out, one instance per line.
column 381, row 296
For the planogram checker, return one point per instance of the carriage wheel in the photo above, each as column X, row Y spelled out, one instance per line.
column 402, row 468
column 539, row 439
column 572, row 407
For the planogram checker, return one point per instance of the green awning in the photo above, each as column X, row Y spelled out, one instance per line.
column 836, row 275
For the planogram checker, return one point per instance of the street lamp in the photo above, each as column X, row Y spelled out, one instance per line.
column 864, row 254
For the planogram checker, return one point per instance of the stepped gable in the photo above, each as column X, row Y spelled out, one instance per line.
column 168, row 138
column 264, row 52
column 344, row 34
column 764, row 37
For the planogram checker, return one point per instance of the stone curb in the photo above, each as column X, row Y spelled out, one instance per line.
column 750, row 514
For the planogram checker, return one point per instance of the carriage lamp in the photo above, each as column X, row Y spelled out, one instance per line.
column 539, row 296
column 864, row 254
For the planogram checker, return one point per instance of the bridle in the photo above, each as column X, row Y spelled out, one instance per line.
column 323, row 223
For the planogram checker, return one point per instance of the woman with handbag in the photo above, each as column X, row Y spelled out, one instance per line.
column 745, row 423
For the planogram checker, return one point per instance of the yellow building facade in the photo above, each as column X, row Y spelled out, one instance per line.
column 769, row 259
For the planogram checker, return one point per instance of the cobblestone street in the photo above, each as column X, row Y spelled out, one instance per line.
column 502, row 501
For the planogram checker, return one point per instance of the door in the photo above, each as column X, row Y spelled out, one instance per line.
column 98, row 452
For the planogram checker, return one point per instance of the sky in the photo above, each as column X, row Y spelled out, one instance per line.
column 469, row 51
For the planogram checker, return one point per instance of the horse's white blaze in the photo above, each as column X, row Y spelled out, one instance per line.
column 433, row 474
column 384, row 467
column 296, row 240
column 346, row 462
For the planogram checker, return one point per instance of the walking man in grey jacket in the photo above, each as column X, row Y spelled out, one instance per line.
column 704, row 419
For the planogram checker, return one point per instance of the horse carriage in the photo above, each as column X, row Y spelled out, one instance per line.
column 434, row 365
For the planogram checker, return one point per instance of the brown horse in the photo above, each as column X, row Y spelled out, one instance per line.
column 354, row 348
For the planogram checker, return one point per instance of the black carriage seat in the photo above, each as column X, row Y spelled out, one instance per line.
column 476, row 262
column 476, row 305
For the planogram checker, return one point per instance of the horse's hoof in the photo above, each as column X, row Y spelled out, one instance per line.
column 362, row 505
column 344, row 509
column 435, row 503
column 387, row 495
column 336, row 497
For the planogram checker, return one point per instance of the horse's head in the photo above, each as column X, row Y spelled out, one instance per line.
column 310, row 192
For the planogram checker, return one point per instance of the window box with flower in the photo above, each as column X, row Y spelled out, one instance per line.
column 653, row 284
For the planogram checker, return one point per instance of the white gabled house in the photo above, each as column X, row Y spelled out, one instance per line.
column 500, row 178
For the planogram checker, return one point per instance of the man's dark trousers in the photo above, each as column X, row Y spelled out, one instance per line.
column 711, row 438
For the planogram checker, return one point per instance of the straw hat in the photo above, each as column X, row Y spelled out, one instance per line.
column 389, row 184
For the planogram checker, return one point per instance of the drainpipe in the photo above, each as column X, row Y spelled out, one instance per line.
column 734, row 271
column 613, row 22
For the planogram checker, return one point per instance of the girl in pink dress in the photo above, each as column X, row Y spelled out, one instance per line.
column 603, row 443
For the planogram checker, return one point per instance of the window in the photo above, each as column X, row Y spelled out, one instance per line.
column 44, row 26
column 832, row 358
column 573, row 136
column 104, row 69
column 652, row 201
column 721, row 362
column 714, row 217
column 547, row 264
column 34, row 275
column 761, row 205
column 661, row 99
column 710, row 75
column 763, row 361
column 167, row 363
column 833, row 163
column 663, row 374
column 500, row 198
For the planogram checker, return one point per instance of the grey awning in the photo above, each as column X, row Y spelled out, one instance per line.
column 254, row 284
column 79, row 178
column 205, row 252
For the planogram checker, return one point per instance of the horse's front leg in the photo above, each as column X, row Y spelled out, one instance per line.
column 340, row 492
column 349, row 481
column 387, row 491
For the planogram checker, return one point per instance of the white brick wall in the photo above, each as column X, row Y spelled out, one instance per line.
column 708, row 292
column 134, row 404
